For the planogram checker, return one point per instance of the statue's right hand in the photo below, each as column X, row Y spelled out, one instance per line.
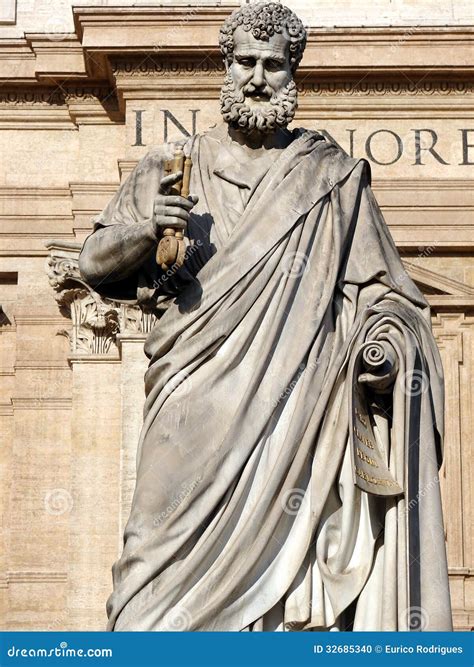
column 171, row 211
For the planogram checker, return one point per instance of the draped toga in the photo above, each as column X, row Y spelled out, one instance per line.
column 247, row 512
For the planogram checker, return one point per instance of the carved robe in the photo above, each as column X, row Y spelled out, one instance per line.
column 249, row 513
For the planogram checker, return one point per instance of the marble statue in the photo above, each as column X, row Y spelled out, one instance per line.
column 287, row 469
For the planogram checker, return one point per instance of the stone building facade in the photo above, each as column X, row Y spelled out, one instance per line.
column 86, row 88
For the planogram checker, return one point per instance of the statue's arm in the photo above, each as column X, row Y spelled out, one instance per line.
column 127, row 232
column 114, row 253
column 374, row 265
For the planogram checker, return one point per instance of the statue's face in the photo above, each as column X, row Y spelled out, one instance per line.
column 259, row 68
column 259, row 94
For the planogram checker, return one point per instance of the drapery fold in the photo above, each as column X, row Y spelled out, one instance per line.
column 245, row 514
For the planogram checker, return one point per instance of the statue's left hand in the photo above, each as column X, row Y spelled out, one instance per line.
column 380, row 376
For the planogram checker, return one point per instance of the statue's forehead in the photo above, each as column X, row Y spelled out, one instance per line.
column 244, row 42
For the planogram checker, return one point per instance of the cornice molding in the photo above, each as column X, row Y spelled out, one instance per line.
column 57, row 58
column 35, row 577
column 33, row 403
column 135, row 25
column 192, row 32
column 143, row 53
column 65, row 107
column 37, row 106
column 132, row 72
column 374, row 88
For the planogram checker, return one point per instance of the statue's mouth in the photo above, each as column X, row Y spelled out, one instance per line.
column 257, row 97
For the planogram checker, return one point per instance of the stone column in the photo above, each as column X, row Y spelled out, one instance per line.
column 108, row 364
column 96, row 442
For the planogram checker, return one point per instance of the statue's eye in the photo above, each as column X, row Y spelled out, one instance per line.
column 246, row 62
column 273, row 65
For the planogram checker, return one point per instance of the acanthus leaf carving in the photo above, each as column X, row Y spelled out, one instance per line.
column 96, row 320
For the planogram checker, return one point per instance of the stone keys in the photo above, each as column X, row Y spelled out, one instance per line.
column 371, row 472
column 171, row 248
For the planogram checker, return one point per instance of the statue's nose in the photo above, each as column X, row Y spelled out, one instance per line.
column 257, row 78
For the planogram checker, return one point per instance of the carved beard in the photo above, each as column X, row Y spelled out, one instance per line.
column 266, row 118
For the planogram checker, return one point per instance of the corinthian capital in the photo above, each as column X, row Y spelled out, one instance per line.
column 95, row 320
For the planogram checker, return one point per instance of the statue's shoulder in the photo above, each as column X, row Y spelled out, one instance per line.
column 157, row 155
column 332, row 159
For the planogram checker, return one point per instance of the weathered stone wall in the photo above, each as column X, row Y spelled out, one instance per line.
column 76, row 113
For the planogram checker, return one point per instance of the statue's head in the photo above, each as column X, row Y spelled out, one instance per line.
column 262, row 45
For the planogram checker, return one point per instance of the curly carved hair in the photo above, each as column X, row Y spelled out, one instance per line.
column 265, row 19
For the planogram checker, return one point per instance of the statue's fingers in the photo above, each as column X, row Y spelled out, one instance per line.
column 167, row 182
column 177, row 200
column 369, row 378
column 376, row 381
column 173, row 222
column 177, row 212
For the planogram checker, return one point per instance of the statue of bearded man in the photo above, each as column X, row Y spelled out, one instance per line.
column 287, row 470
